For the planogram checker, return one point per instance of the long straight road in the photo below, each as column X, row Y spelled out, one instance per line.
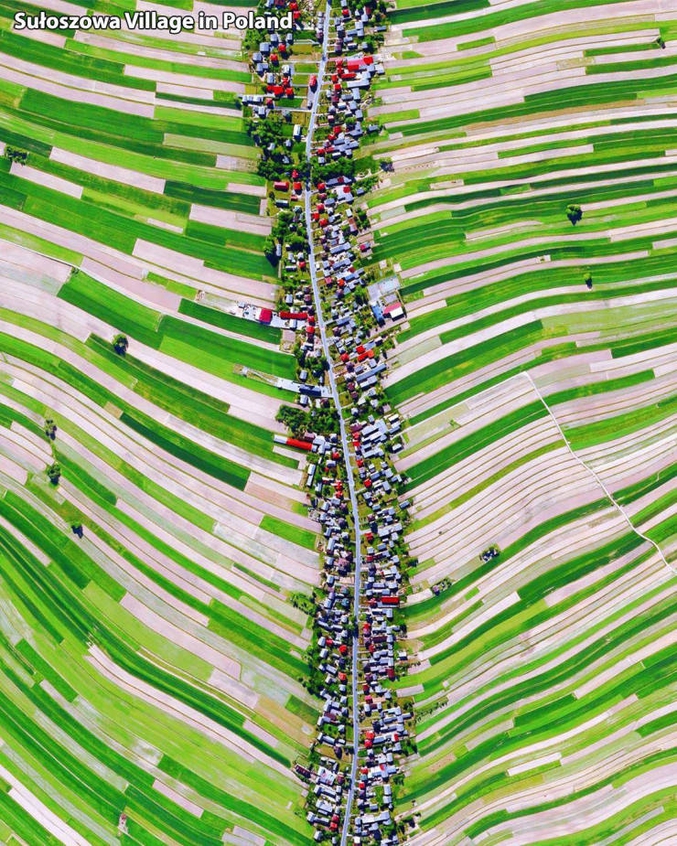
column 357, row 587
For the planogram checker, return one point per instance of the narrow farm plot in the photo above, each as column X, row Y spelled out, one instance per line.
column 153, row 654
column 526, row 208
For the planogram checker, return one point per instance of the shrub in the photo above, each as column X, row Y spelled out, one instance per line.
column 120, row 344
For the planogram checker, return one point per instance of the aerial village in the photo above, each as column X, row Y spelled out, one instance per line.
column 321, row 245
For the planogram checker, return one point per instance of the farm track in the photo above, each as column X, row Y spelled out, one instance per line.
column 599, row 481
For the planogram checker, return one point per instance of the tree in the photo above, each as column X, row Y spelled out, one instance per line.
column 269, row 249
column 297, row 243
column 120, row 344
column 50, row 429
column 14, row 154
column 588, row 279
column 659, row 42
column 574, row 213
column 54, row 473
column 295, row 419
column 362, row 218
column 76, row 528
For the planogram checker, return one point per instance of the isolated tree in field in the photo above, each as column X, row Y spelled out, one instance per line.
column 120, row 344
column 76, row 528
column 659, row 42
column 54, row 473
column 574, row 213
column 50, row 428
column 587, row 278
column 14, row 154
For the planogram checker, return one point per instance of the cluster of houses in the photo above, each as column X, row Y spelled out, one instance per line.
column 272, row 66
column 384, row 725
column 350, row 28
column 334, row 631
column 351, row 79
column 341, row 249
column 292, row 318
column 359, row 361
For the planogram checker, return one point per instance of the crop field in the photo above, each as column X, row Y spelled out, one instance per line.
column 137, row 155
column 153, row 536
column 151, row 665
column 530, row 214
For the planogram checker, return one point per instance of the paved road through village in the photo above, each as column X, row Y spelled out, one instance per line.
column 344, row 435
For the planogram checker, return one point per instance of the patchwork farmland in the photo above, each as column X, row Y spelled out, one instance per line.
column 154, row 543
column 529, row 216
column 157, row 552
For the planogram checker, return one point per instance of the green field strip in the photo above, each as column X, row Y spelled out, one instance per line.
column 427, row 608
column 493, row 20
column 611, row 280
column 664, row 530
column 632, row 65
column 186, row 402
column 453, row 366
column 228, row 350
column 157, row 331
column 64, row 61
column 208, row 462
column 519, row 339
column 619, row 425
column 185, row 166
column 546, row 219
column 220, row 248
column 84, row 624
column 578, row 96
column 661, row 503
column 462, row 76
column 118, row 55
column 411, row 10
column 216, row 198
column 289, row 532
column 230, row 322
column 463, row 448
